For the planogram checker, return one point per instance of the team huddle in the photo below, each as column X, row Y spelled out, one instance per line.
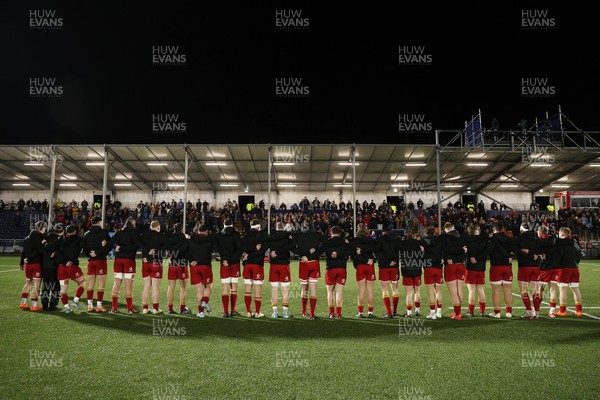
column 543, row 261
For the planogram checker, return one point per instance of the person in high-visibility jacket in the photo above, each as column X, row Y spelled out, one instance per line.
column 550, row 208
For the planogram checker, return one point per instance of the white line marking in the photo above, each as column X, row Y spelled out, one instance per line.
column 10, row 270
column 568, row 309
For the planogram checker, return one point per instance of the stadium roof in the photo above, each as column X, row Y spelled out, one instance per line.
column 308, row 167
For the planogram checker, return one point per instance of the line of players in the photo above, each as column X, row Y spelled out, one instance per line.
column 542, row 260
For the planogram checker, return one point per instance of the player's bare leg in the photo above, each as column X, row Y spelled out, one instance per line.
column 25, row 293
column 330, row 300
column 524, row 290
column 146, row 285
column 481, row 298
column 129, row 293
column 313, row 297
column 496, row 293
column 454, row 287
column 233, row 296
column 410, row 291
column 395, row 298
column 370, row 297
column 304, row 296
column 156, row 295
column 100, row 297
column 285, row 299
column 553, row 294
column 417, row 299
column 577, row 299
column 385, row 288
column 258, row 298
column 183, row 296
column 115, row 292
column 91, row 279
column 274, row 294
column 171, row 295
column 362, row 285
column 339, row 300
column 508, row 298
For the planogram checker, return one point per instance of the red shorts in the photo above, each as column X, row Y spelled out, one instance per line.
column 201, row 274
column 453, row 272
column 475, row 277
column 389, row 274
column 568, row 275
column 365, row 271
column 97, row 267
column 336, row 276
column 65, row 273
column 231, row 271
column 254, row 272
column 125, row 265
column 549, row 275
column 411, row 280
column 310, row 269
column 147, row 269
column 528, row 274
column 433, row 275
column 279, row 273
column 501, row 273
column 33, row 271
column 177, row 272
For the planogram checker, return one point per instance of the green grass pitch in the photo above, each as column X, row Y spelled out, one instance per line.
column 91, row 356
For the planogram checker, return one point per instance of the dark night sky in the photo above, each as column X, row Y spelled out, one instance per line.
column 225, row 93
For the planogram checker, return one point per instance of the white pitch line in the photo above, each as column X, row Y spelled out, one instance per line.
column 521, row 307
column 11, row 270
column 568, row 309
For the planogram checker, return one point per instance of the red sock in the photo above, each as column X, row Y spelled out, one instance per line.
column 386, row 303
column 578, row 307
column 90, row 295
column 439, row 306
column 181, row 308
column 155, row 306
column 200, row 309
column 79, row 291
column 100, row 295
column 526, row 301
column 537, row 300
column 553, row 303
column 233, row 300
column 409, row 308
column 563, row 308
column 205, row 299
column 508, row 309
column 482, row 307
column 225, row 300
column 257, row 303
column 432, row 307
column 64, row 299
column 24, row 295
column 115, row 301
column 338, row 310
column 472, row 308
column 129, row 301
column 395, row 300
column 331, row 310
column 313, row 305
column 417, row 304
column 248, row 301
column 370, row 309
column 170, row 307
column 304, row 303
column 34, row 299
column 361, row 309
column 497, row 310
column 457, row 309
column 145, row 306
